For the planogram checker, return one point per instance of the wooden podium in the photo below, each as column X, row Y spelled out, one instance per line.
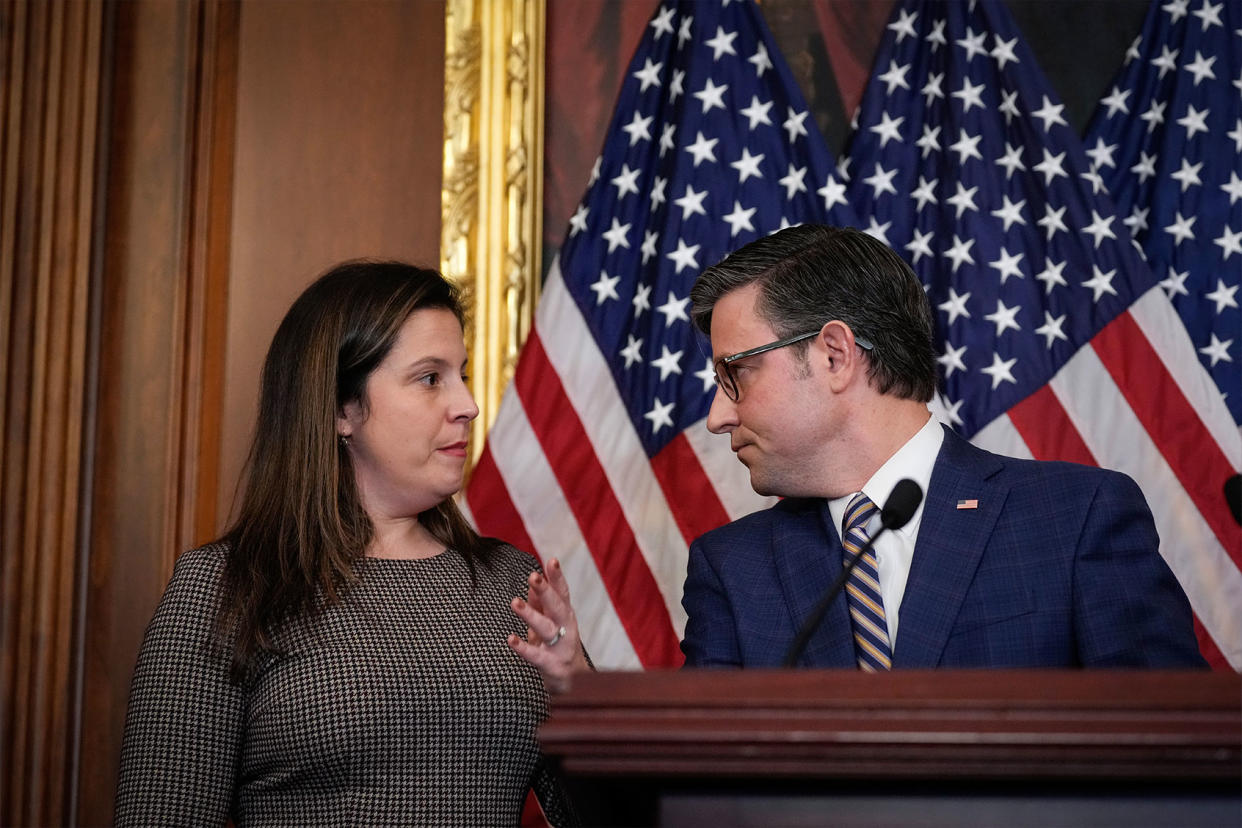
column 845, row 748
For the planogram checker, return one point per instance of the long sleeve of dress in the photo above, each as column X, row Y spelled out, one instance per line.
column 183, row 732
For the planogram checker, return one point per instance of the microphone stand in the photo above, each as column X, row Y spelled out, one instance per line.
column 812, row 622
column 902, row 503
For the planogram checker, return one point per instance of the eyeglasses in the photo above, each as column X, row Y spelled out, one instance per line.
column 727, row 380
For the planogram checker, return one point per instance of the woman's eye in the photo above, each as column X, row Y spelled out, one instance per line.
column 431, row 379
column 465, row 378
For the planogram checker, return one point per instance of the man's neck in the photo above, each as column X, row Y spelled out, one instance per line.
column 883, row 428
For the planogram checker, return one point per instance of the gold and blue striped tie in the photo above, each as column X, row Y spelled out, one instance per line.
column 862, row 590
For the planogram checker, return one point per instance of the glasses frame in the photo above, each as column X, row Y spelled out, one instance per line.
column 725, row 372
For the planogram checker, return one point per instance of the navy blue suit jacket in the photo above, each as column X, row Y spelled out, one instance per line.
column 1059, row 566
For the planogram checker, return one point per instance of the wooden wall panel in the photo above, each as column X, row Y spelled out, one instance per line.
column 50, row 61
column 172, row 172
column 338, row 156
column 163, row 240
column 251, row 145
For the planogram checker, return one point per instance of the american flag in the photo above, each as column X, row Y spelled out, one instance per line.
column 599, row 455
column 1167, row 142
column 1054, row 339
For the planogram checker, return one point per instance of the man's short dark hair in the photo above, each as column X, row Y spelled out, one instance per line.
column 810, row 275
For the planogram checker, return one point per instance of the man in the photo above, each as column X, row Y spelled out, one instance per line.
column 822, row 341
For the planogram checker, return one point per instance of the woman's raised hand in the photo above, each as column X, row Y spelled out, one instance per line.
column 552, row 643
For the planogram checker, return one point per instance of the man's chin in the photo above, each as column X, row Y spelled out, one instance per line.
column 761, row 484
column 761, row 480
column 769, row 485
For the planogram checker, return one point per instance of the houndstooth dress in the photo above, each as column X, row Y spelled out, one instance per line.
column 400, row 705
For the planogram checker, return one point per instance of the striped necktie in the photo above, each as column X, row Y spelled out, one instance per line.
column 862, row 590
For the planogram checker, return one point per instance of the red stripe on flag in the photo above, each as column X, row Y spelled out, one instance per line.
column 608, row 535
column 532, row 812
column 1208, row 649
column 492, row 508
column 690, row 495
column 1175, row 428
column 1048, row 431
column 1050, row 434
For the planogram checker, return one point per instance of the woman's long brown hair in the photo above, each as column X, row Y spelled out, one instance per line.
column 301, row 524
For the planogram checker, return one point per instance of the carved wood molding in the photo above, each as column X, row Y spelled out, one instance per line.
column 491, row 202
column 208, row 217
column 49, row 124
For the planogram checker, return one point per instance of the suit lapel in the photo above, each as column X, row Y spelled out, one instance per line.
column 807, row 556
column 950, row 543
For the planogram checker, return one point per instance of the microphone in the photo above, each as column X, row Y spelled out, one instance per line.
column 902, row 503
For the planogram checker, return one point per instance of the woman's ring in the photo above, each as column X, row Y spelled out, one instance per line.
column 559, row 633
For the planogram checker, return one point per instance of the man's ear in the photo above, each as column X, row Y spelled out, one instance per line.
column 844, row 358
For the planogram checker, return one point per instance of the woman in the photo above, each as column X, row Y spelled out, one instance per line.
column 351, row 651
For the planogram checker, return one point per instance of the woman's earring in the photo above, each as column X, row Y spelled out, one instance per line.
column 344, row 440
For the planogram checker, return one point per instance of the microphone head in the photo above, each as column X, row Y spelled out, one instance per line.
column 902, row 503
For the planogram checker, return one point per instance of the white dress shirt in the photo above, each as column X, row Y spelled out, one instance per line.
column 894, row 551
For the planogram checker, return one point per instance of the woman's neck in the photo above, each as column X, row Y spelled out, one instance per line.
column 403, row 539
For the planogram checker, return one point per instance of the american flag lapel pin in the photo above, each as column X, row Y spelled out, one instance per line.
column 968, row 504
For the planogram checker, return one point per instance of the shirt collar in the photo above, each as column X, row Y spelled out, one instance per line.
column 914, row 460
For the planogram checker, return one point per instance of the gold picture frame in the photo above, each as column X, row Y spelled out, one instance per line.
column 492, row 193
